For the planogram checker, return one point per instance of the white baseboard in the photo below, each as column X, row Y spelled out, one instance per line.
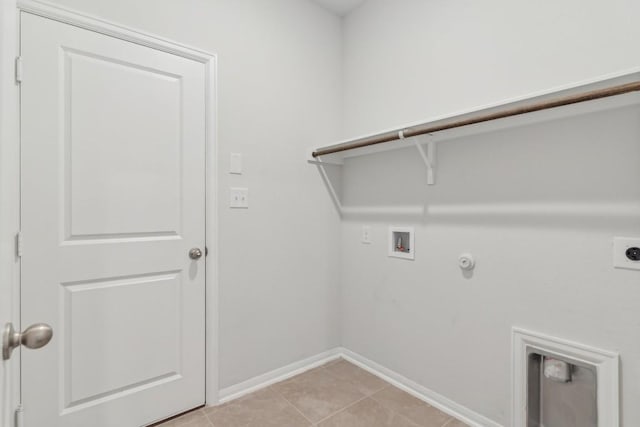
column 261, row 381
column 434, row 399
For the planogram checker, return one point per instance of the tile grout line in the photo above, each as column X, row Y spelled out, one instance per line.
column 297, row 410
column 451, row 419
column 341, row 410
column 328, row 372
column 404, row 416
column 176, row 422
column 209, row 419
column 351, row 404
column 336, row 376
column 206, row 417
column 290, row 404
column 323, row 368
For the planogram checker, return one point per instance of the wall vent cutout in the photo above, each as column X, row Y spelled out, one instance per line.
column 545, row 368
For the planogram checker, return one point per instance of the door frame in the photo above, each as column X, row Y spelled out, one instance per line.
column 10, row 161
column 10, row 203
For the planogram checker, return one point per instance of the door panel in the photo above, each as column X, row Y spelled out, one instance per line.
column 109, row 311
column 113, row 198
column 145, row 148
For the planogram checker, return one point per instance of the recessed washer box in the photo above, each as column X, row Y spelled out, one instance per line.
column 402, row 242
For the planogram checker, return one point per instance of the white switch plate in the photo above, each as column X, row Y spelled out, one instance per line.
column 235, row 164
column 239, row 198
column 620, row 246
column 366, row 234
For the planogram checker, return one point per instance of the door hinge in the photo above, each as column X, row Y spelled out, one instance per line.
column 19, row 244
column 19, row 416
column 19, row 69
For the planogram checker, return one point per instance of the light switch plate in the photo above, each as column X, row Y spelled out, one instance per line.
column 366, row 234
column 239, row 198
column 620, row 247
column 235, row 164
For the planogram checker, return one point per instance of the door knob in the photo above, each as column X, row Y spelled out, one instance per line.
column 35, row 336
column 195, row 253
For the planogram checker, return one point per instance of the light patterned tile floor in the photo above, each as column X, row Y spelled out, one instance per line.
column 337, row 394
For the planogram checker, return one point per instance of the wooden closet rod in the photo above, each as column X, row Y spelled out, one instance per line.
column 426, row 128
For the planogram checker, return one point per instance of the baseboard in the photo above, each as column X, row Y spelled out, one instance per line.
column 431, row 397
column 261, row 381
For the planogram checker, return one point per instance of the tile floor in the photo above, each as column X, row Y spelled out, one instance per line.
column 337, row 394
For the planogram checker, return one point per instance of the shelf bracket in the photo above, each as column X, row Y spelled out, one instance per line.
column 428, row 156
column 328, row 183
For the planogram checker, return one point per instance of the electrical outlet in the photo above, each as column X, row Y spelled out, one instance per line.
column 239, row 198
column 626, row 253
column 366, row 234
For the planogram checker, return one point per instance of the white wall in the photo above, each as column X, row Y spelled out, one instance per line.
column 280, row 86
column 409, row 60
column 547, row 266
column 279, row 94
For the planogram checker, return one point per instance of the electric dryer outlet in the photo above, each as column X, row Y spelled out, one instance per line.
column 626, row 253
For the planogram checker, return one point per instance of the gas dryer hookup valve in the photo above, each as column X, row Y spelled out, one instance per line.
column 466, row 262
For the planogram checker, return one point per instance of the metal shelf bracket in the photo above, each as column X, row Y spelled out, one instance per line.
column 321, row 165
column 428, row 156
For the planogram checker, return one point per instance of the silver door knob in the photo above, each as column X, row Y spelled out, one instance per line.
column 35, row 336
column 195, row 253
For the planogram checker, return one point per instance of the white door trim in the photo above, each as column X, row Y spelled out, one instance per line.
column 9, row 202
column 99, row 25
column 11, row 145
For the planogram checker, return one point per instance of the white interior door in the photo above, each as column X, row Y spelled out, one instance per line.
column 113, row 199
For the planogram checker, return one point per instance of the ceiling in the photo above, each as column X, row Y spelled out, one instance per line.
column 340, row 7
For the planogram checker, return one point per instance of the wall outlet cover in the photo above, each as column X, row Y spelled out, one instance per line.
column 239, row 198
column 366, row 234
column 625, row 252
column 235, row 164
